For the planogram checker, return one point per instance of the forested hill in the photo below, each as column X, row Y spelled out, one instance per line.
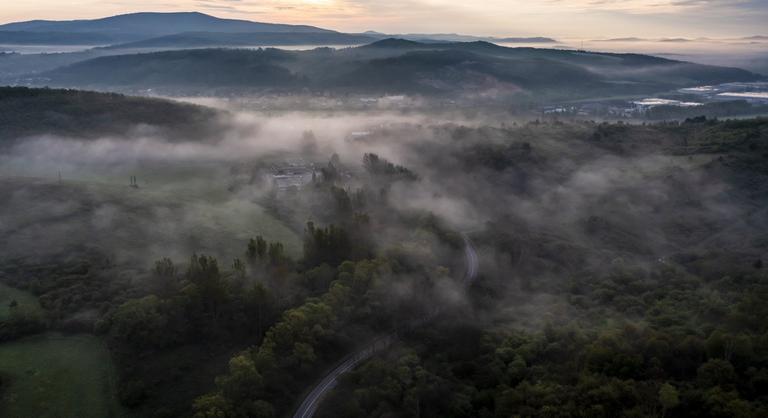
column 28, row 112
column 398, row 67
column 136, row 26
column 216, row 39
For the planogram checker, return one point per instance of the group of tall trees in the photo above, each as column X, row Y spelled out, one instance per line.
column 263, row 381
column 662, row 343
column 353, row 296
column 380, row 167
column 589, row 325
column 196, row 304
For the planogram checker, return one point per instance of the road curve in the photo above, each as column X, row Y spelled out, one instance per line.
column 309, row 406
column 473, row 263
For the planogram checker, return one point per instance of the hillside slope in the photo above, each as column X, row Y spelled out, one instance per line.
column 398, row 67
column 27, row 112
column 223, row 39
column 136, row 26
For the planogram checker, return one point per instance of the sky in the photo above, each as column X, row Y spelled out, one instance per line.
column 554, row 18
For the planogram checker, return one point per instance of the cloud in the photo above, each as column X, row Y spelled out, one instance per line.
column 660, row 6
column 556, row 18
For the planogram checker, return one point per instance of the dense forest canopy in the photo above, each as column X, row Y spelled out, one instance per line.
column 620, row 267
column 28, row 112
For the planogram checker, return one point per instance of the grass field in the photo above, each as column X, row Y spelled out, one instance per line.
column 135, row 225
column 26, row 300
column 54, row 376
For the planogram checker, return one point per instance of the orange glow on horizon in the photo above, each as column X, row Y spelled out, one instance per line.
column 553, row 18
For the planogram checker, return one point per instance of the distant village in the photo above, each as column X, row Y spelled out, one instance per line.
column 750, row 95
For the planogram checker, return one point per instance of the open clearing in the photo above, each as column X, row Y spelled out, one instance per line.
column 135, row 224
column 55, row 376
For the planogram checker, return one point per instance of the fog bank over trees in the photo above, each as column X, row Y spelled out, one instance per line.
column 229, row 257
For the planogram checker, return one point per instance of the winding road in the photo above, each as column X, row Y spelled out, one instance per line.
column 312, row 400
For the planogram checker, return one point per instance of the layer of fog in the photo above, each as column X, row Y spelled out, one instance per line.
column 44, row 49
column 251, row 136
column 185, row 202
column 66, row 193
column 63, row 192
column 748, row 54
column 203, row 170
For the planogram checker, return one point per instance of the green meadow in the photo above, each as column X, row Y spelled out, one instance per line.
column 55, row 376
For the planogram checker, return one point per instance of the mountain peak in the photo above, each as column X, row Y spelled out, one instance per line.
column 395, row 43
column 144, row 25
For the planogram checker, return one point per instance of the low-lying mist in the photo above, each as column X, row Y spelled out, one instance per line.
column 553, row 179
column 546, row 186
column 330, row 230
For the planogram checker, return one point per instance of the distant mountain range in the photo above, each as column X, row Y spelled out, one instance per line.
column 221, row 39
column 448, row 65
column 650, row 40
column 453, row 37
column 634, row 39
column 138, row 26
column 394, row 66
column 194, row 30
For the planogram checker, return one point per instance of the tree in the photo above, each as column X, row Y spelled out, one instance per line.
column 238, row 269
column 243, row 382
column 260, row 409
column 165, row 275
column 331, row 172
column 213, row 405
column 142, row 323
column 276, row 253
column 257, row 249
column 716, row 372
column 517, row 369
column 319, row 278
column 380, row 167
column 330, row 245
column 304, row 354
column 669, row 398
column 722, row 403
column 165, row 268
column 258, row 305
column 204, row 273
column 342, row 200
